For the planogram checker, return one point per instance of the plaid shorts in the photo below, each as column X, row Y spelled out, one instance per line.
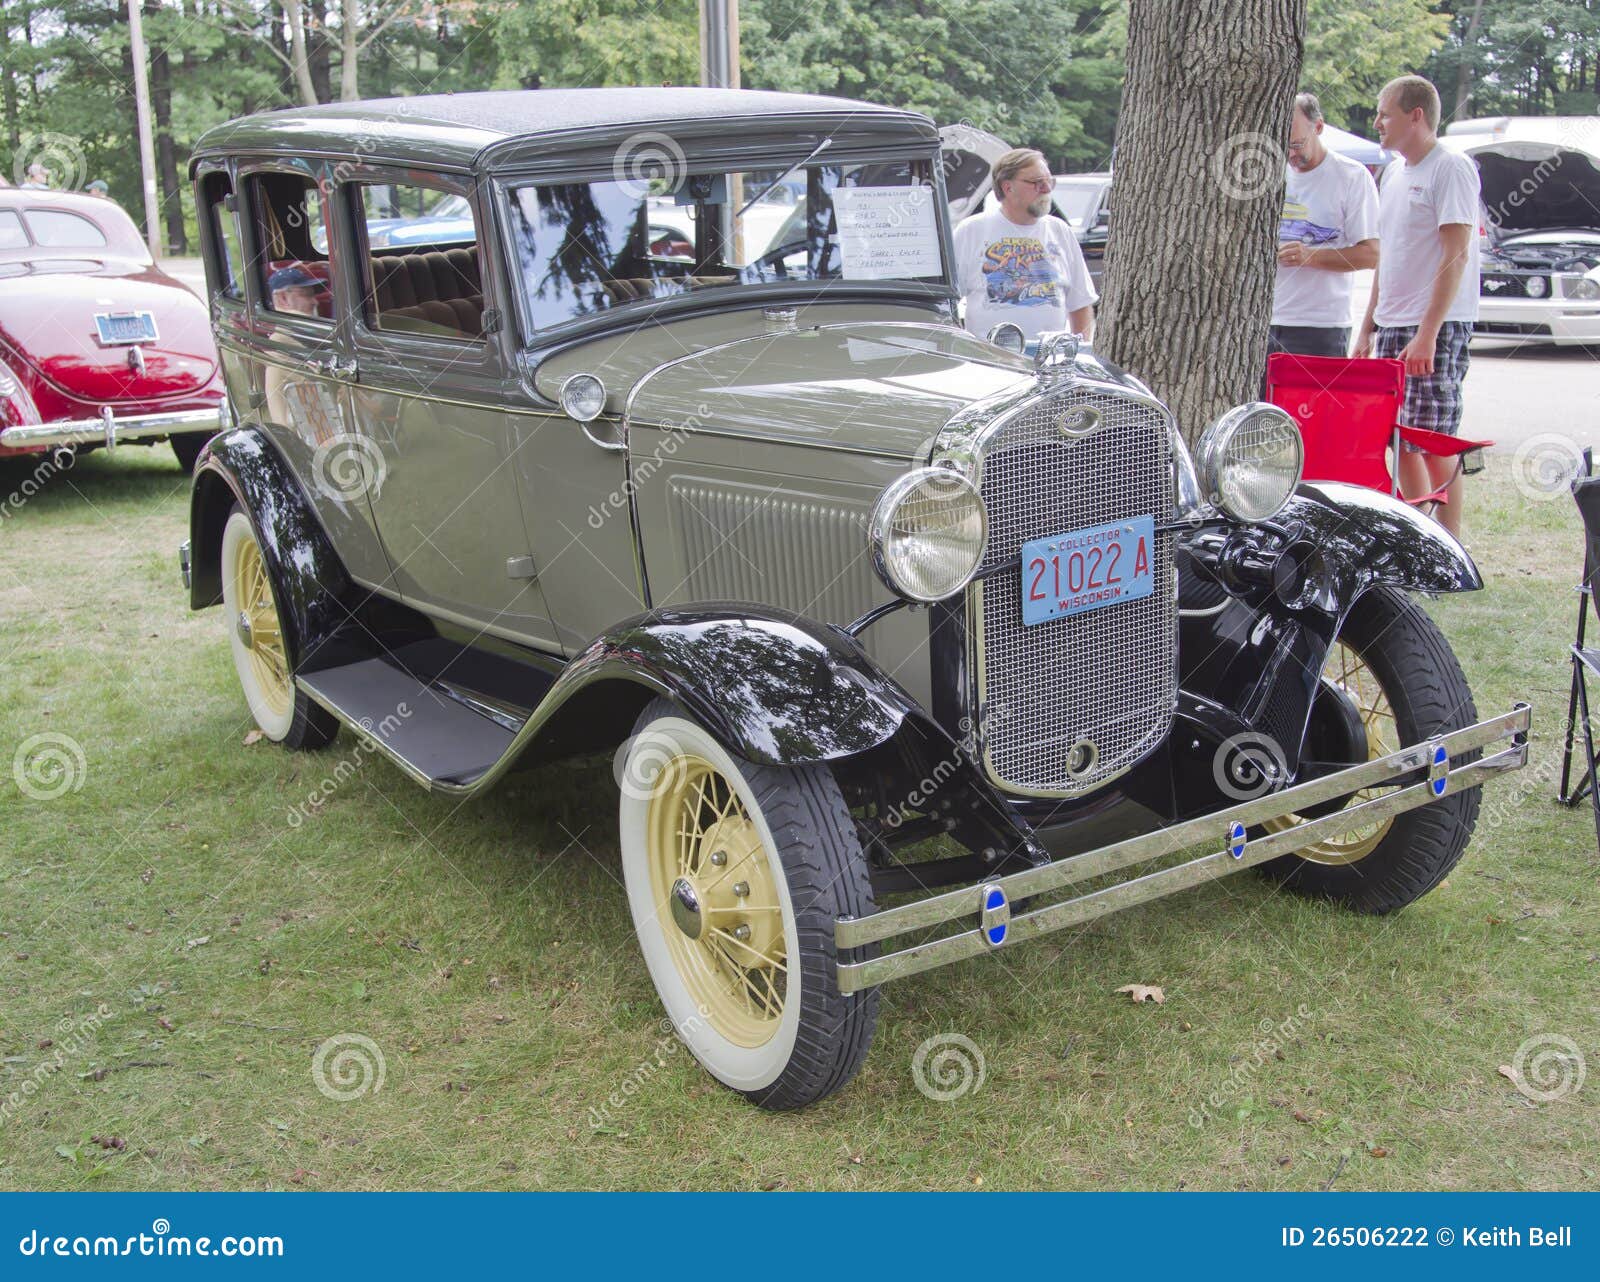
column 1433, row 401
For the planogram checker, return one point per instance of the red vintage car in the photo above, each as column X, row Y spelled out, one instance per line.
column 98, row 346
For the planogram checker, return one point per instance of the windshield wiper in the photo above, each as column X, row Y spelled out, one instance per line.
column 799, row 164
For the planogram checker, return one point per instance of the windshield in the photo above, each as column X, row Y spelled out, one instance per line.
column 588, row 247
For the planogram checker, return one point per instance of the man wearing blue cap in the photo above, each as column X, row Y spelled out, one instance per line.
column 294, row 289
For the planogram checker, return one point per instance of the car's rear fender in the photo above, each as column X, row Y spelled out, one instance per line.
column 320, row 602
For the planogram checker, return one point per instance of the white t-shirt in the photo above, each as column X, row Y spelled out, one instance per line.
column 1332, row 206
column 1031, row 276
column 1414, row 201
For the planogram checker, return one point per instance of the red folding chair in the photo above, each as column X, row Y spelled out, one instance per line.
column 1348, row 411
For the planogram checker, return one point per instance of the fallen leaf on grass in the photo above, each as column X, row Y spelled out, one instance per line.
column 196, row 943
column 1510, row 1074
column 255, row 736
column 1144, row 993
column 166, row 1023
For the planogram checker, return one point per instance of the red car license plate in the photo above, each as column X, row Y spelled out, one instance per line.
column 1084, row 570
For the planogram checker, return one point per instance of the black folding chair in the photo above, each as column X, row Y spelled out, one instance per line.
column 1585, row 659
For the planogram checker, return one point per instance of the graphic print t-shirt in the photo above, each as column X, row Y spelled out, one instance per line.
column 1031, row 276
column 1332, row 206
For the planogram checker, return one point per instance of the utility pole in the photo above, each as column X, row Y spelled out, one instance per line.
column 719, row 43
column 147, row 147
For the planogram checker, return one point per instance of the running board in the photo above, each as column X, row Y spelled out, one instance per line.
column 435, row 734
column 1227, row 831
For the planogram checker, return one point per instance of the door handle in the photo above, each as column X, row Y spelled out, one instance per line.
column 333, row 366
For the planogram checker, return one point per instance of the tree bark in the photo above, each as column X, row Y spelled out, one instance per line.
column 349, row 48
column 297, row 53
column 1197, row 195
column 1469, row 38
column 317, row 51
column 166, row 152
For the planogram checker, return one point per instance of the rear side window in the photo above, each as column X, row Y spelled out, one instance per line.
column 422, row 269
column 227, row 254
column 289, row 218
column 12, row 235
column 57, row 229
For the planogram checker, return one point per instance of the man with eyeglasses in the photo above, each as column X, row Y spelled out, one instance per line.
column 1328, row 230
column 1018, row 262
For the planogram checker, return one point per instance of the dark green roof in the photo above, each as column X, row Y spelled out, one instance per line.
column 458, row 129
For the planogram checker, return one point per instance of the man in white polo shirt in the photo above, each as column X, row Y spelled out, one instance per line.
column 1425, row 292
column 1019, row 262
column 1329, row 229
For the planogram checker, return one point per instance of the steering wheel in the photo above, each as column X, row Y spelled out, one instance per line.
column 775, row 256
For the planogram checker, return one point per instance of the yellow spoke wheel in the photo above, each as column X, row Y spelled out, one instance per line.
column 713, row 882
column 1348, row 673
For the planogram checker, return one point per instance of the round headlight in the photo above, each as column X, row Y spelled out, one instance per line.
column 583, row 396
column 1537, row 286
column 1249, row 461
column 1009, row 336
column 928, row 533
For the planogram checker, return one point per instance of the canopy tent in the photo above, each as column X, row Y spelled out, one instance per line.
column 1354, row 146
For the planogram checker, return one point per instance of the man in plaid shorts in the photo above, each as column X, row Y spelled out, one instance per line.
column 1425, row 291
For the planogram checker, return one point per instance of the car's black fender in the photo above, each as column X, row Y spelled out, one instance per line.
column 317, row 598
column 1254, row 643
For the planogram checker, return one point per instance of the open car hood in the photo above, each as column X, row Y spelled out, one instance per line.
column 969, row 155
column 1538, row 186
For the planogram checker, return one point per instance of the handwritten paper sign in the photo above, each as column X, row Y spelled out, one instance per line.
column 886, row 233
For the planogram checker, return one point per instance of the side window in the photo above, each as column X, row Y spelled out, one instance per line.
column 227, row 255
column 422, row 269
column 289, row 218
column 12, row 236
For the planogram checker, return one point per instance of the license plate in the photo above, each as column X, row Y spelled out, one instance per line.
column 125, row 327
column 1089, row 569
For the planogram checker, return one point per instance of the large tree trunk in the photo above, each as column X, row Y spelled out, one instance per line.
column 166, row 152
column 1197, row 196
column 318, row 51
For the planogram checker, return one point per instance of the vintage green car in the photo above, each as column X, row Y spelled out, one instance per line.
column 640, row 421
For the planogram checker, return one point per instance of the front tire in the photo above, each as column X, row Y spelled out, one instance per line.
column 1392, row 662
column 261, row 648
column 735, row 875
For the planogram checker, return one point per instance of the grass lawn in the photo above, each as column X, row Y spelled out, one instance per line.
column 182, row 929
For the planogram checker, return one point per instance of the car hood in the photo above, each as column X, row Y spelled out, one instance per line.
column 875, row 387
column 47, row 311
column 1537, row 186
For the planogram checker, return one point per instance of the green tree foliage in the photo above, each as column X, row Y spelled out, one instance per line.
column 1521, row 57
column 571, row 43
column 1355, row 47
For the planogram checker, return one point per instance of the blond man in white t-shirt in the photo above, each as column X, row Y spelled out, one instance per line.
column 1425, row 292
column 1019, row 262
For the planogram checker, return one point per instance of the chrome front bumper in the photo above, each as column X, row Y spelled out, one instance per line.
column 1226, row 832
column 108, row 429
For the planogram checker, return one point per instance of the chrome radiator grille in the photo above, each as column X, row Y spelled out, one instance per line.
column 1106, row 677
